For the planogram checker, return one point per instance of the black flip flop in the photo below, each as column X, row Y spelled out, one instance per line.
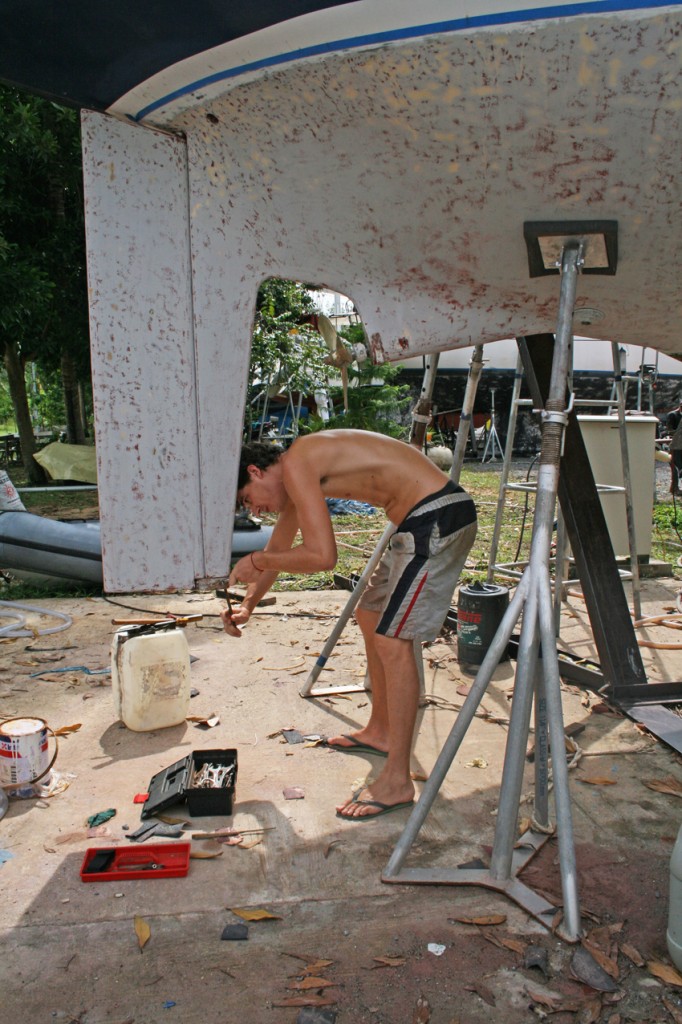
column 355, row 747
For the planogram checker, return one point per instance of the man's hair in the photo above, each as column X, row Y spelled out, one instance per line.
column 259, row 454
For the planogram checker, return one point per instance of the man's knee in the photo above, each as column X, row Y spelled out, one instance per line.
column 393, row 649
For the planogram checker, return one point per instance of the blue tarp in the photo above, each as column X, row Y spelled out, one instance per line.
column 343, row 507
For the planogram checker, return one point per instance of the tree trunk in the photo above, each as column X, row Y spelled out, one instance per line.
column 75, row 430
column 17, row 389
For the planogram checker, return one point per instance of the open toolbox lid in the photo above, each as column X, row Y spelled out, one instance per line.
column 167, row 787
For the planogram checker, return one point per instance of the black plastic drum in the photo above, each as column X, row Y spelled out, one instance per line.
column 480, row 610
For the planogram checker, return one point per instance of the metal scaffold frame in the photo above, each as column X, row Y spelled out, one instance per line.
column 512, row 570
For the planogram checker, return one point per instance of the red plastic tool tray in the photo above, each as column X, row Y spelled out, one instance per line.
column 117, row 864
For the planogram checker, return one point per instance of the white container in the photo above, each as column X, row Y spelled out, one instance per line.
column 601, row 435
column 674, row 935
column 150, row 677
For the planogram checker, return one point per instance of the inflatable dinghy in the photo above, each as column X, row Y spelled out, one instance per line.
column 51, row 548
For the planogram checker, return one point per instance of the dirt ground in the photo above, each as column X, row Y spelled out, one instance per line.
column 381, row 953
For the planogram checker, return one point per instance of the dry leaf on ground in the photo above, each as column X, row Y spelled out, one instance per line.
column 673, row 1010
column 632, row 954
column 585, row 968
column 308, row 1000
column 596, row 780
column 606, row 962
column 308, row 983
column 486, row 994
column 549, row 1000
column 668, row 785
column 66, row 729
column 504, row 942
column 484, row 920
column 590, row 1012
column 256, row 914
column 388, row 961
column 143, row 931
column 318, row 965
column 665, row 972
column 208, row 852
column 422, row 1011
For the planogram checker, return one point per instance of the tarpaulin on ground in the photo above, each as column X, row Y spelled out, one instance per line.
column 68, row 462
column 343, row 507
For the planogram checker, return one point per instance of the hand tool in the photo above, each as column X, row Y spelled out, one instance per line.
column 149, row 865
column 179, row 620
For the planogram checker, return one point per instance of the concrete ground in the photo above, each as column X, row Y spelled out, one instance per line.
column 382, row 954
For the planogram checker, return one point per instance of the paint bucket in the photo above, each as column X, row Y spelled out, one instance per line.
column 9, row 496
column 24, row 753
column 480, row 610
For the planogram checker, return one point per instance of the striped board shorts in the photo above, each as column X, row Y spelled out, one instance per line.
column 413, row 585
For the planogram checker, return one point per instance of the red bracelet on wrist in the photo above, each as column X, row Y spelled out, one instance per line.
column 254, row 564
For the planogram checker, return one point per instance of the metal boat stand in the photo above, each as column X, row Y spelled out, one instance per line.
column 492, row 444
column 537, row 673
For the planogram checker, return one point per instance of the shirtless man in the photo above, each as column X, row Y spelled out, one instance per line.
column 409, row 594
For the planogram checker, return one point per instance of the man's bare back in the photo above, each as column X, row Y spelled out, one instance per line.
column 351, row 464
column 373, row 468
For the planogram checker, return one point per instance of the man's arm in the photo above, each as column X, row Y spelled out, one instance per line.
column 250, row 569
column 317, row 550
column 259, row 581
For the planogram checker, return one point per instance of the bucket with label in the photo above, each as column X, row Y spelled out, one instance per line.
column 480, row 610
column 150, row 675
column 24, row 751
column 9, row 496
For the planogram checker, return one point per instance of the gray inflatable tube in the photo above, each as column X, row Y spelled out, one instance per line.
column 73, row 550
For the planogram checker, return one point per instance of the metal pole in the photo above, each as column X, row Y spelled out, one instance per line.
column 475, row 368
column 506, row 466
column 519, row 724
column 421, row 414
column 627, row 481
column 541, row 802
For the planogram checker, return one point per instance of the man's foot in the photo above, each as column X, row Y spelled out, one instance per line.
column 348, row 744
column 365, row 804
column 376, row 809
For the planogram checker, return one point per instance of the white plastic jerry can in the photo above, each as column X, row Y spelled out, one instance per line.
column 674, row 935
column 150, row 676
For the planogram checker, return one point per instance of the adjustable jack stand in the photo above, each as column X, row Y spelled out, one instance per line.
column 492, row 444
column 535, row 675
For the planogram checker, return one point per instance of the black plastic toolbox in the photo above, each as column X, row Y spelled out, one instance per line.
column 173, row 785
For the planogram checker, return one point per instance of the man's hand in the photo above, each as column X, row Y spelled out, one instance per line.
column 233, row 618
column 244, row 571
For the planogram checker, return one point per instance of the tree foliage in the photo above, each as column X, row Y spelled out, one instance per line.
column 287, row 353
column 375, row 400
column 43, row 294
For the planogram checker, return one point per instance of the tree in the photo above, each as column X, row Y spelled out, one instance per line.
column 43, row 295
column 375, row 400
column 287, row 353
